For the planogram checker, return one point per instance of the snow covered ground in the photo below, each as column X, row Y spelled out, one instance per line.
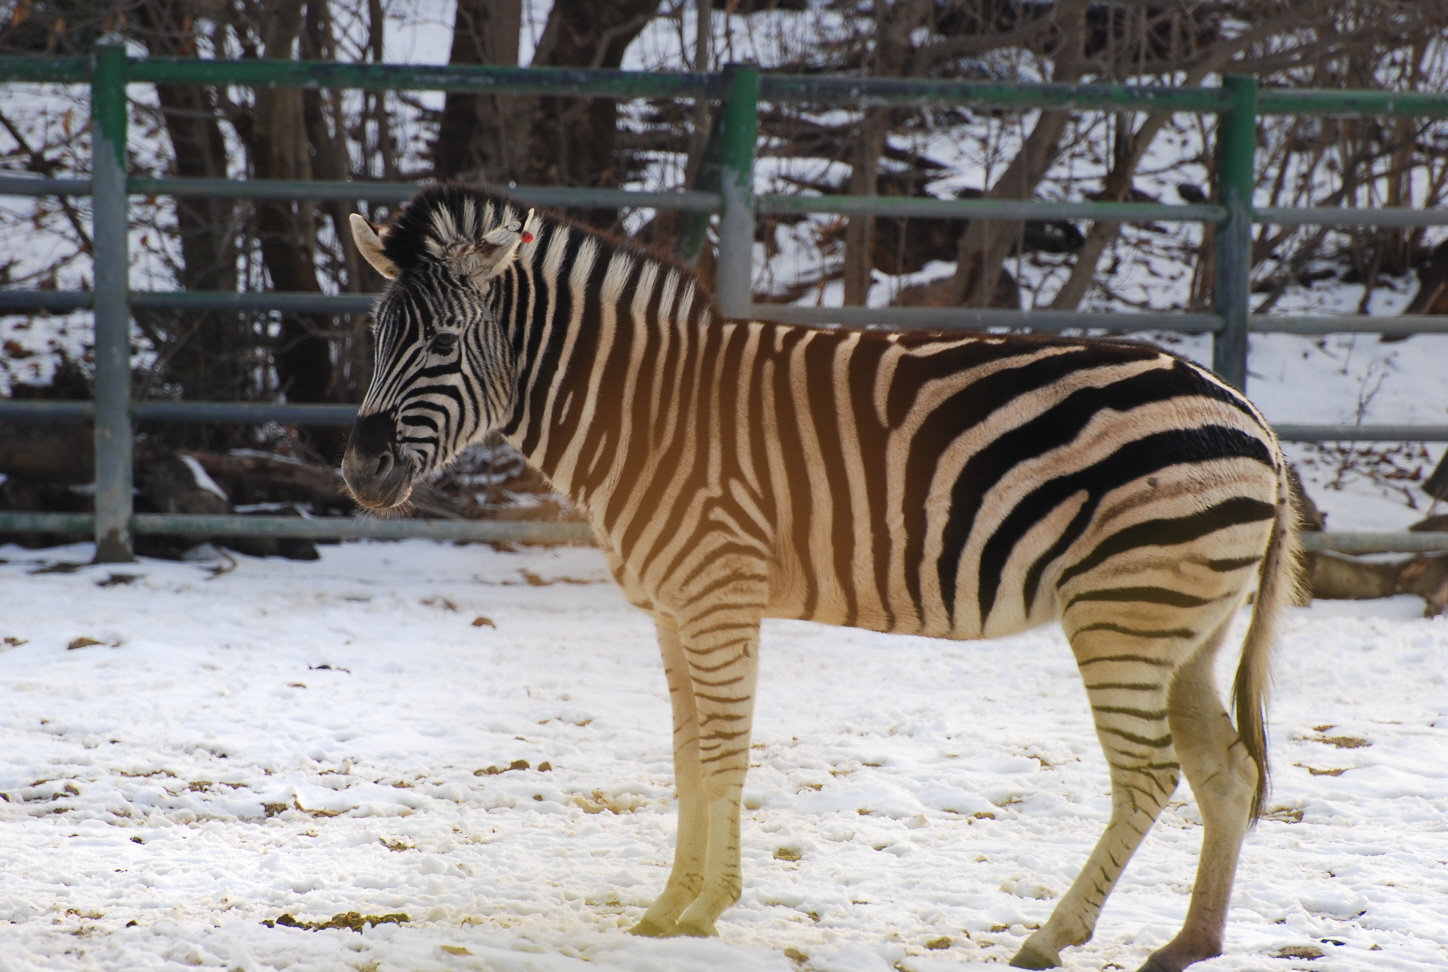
column 306, row 739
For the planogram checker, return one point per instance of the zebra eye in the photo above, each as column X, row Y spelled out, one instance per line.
column 444, row 342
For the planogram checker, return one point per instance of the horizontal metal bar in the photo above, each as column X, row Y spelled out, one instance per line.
column 691, row 201
column 913, row 207
column 341, row 415
column 30, row 301
column 326, row 528
column 27, row 409
column 1285, row 101
column 46, row 522
column 394, row 192
column 579, row 82
column 1328, row 216
column 833, row 91
column 1347, row 324
column 66, row 70
column 298, row 189
column 1362, row 433
column 968, row 318
column 522, row 531
column 694, row 201
column 241, row 412
column 21, row 301
column 911, row 92
column 374, row 528
column 296, row 303
column 246, row 412
column 1370, row 543
column 20, row 186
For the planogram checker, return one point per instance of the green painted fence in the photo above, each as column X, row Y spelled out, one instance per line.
column 1237, row 104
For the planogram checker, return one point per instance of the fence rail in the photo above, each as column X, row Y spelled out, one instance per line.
column 516, row 531
column 1237, row 103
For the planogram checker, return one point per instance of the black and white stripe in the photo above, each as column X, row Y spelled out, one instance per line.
column 945, row 485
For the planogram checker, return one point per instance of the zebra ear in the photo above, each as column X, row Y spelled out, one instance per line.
column 369, row 244
column 487, row 257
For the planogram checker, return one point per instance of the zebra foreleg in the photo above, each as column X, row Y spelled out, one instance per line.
column 1128, row 702
column 1223, row 778
column 720, row 641
column 692, row 845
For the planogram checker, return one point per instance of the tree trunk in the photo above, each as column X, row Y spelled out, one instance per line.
column 207, row 353
column 571, row 141
column 1130, row 150
column 286, row 230
column 986, row 243
column 894, row 24
column 473, row 138
column 860, row 230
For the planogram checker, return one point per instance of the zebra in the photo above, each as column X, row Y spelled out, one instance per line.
column 943, row 484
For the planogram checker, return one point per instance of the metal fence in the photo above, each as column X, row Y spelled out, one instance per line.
column 1237, row 103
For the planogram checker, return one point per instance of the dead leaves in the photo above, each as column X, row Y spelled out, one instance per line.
column 517, row 764
column 351, row 920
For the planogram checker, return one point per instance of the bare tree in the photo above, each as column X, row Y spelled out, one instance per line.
column 571, row 141
column 475, row 133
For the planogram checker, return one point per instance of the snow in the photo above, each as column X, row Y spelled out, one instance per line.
column 306, row 739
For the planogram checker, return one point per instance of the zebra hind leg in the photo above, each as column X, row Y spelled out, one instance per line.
column 691, row 848
column 1127, row 674
column 1223, row 777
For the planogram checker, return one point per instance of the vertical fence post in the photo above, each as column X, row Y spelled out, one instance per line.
column 735, row 269
column 110, row 205
column 1236, row 148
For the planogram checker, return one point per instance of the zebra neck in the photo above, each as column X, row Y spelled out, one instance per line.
column 596, row 333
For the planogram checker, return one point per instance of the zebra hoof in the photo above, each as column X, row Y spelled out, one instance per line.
column 1029, row 958
column 1182, row 951
column 695, row 929
column 1159, row 962
column 649, row 928
column 1152, row 965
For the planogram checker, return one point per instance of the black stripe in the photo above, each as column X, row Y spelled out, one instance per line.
column 1139, row 659
column 693, row 405
column 1237, row 563
column 1148, row 715
column 597, row 454
column 1168, row 532
column 796, row 476
column 1055, row 428
column 819, row 377
column 1159, row 742
column 873, row 438
column 652, row 373
column 755, row 438
column 541, row 367
column 571, row 374
column 1147, row 455
column 1186, row 633
column 1145, row 595
column 945, row 424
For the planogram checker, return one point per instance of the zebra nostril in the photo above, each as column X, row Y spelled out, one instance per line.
column 385, row 463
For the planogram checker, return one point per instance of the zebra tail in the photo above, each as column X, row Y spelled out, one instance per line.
column 1277, row 587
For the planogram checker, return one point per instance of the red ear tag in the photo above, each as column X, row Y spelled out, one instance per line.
column 527, row 237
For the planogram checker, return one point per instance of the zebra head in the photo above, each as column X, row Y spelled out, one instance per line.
column 444, row 369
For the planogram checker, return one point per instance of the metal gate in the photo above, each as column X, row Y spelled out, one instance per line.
column 1237, row 104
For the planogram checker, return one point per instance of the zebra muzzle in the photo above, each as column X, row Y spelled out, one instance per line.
column 378, row 477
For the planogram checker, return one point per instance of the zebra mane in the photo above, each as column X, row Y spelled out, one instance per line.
column 440, row 217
